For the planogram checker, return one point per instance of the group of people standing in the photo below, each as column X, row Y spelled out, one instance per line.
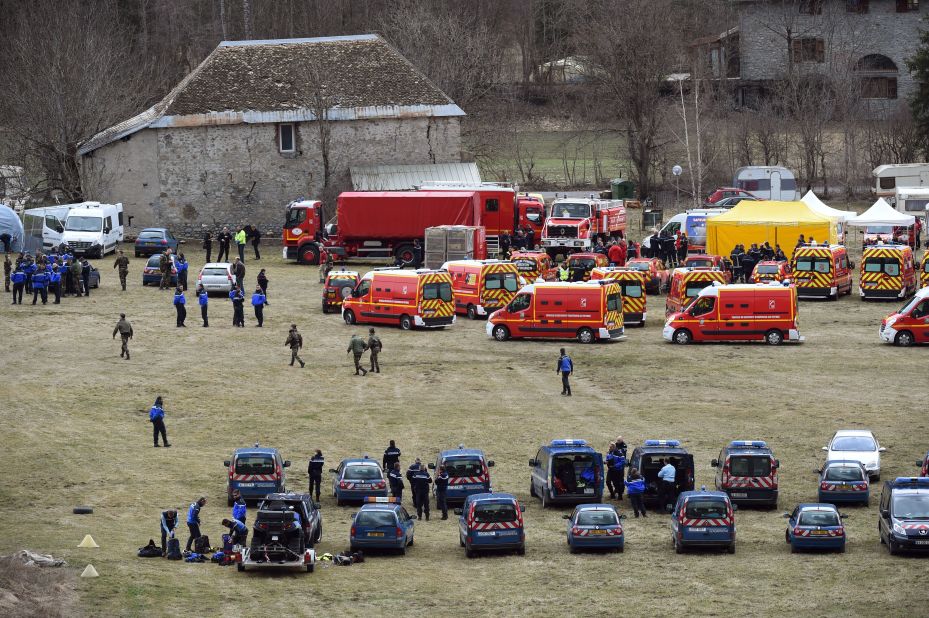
column 59, row 273
column 225, row 238
column 259, row 301
column 522, row 239
column 669, row 248
column 744, row 262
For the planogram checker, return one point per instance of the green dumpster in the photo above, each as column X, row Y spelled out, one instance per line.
column 622, row 189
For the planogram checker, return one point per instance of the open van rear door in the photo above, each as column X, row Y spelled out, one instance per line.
column 600, row 473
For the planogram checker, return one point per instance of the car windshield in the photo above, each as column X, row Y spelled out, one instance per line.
column 854, row 443
column 488, row 513
column 295, row 216
column 151, row 234
column 614, row 302
column 376, row 519
column 569, row 210
column 84, row 224
column 254, row 464
column 639, row 266
column 749, row 465
column 819, row 518
column 879, row 229
column 363, row 472
column 844, row 473
column 215, row 272
column 585, row 263
column 889, row 266
column 699, row 263
column 812, row 264
column 698, row 508
column 526, row 265
column 693, row 287
column 496, row 281
column 460, row 466
column 632, row 290
column 597, row 518
column 442, row 290
column 342, row 283
column 914, row 506
column 766, row 269
column 154, row 261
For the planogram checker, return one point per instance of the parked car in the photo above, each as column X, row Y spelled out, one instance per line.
column 844, row 481
column 595, row 526
column 815, row 526
column 856, row 445
column 216, row 277
column 729, row 202
column 153, row 240
column 382, row 523
column 726, row 193
column 356, row 479
column 151, row 273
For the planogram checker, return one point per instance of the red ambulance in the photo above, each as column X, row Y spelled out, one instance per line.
column 407, row 298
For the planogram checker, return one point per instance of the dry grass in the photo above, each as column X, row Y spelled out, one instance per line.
column 76, row 432
column 34, row 591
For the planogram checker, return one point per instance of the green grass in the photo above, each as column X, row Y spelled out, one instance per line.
column 76, row 432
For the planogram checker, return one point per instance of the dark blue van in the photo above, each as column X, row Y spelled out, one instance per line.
column 491, row 522
column 703, row 519
column 255, row 472
column 567, row 472
column 468, row 472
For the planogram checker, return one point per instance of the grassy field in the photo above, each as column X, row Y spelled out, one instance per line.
column 76, row 432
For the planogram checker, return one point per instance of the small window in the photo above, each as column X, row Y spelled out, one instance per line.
column 492, row 205
column 888, row 183
column 879, row 88
column 286, row 137
column 119, row 217
column 808, row 50
column 856, row 6
column 906, row 6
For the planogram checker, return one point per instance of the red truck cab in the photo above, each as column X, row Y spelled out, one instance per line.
column 574, row 223
column 303, row 229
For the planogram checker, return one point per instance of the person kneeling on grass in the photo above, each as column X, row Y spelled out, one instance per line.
column 237, row 530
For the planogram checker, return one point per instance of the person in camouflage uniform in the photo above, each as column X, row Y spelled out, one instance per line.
column 122, row 263
column 375, row 346
column 357, row 347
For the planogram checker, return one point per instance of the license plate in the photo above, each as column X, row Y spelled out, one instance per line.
column 589, row 491
column 819, row 533
column 698, row 529
column 598, row 532
column 273, row 538
column 739, row 494
column 246, row 485
column 921, row 542
column 359, row 486
column 485, row 533
column 375, row 534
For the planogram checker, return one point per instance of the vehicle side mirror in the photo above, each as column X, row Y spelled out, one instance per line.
column 566, row 517
column 786, row 515
column 106, row 230
column 735, row 507
column 522, row 507
column 457, row 511
column 882, row 449
column 227, row 463
column 714, row 463
column 333, row 471
column 286, row 463
column 885, row 513
column 622, row 517
column 533, row 463
column 843, row 515
column 825, row 448
column 431, row 466
column 777, row 464
column 490, row 463
column 317, row 505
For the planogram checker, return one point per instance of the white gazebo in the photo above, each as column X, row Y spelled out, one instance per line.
column 882, row 213
column 817, row 206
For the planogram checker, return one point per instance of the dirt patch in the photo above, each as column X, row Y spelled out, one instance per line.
column 34, row 591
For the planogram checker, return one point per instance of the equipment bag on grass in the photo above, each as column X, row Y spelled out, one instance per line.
column 150, row 551
column 202, row 544
column 173, row 552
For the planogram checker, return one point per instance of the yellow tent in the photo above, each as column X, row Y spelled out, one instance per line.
column 766, row 221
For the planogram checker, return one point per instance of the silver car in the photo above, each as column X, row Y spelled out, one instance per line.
column 856, row 445
column 216, row 277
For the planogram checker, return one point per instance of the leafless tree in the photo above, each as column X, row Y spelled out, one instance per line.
column 222, row 19
column 247, row 19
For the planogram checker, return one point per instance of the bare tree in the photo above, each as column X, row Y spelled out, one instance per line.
column 247, row 19
column 222, row 19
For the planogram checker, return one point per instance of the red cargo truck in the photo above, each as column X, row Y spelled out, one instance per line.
column 575, row 223
column 377, row 224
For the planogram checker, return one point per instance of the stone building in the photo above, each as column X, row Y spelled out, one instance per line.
column 238, row 138
column 863, row 43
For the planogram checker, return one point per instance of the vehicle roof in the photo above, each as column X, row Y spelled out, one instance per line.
column 569, row 448
column 886, row 246
column 303, row 203
column 674, row 450
column 596, row 507
column 749, row 450
column 360, row 460
column 289, row 497
column 473, row 263
column 255, row 450
column 342, row 274
column 889, row 166
column 924, row 292
column 713, row 290
column 706, row 493
column 380, row 506
column 153, row 229
column 817, row 506
column 851, row 463
column 217, row 264
column 567, row 285
column 586, row 254
column 491, row 497
column 461, row 452
column 853, row 432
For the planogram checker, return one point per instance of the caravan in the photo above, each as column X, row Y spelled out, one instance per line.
column 888, row 178
column 767, row 182
column 94, row 229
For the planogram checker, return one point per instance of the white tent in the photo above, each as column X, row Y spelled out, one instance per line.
column 882, row 213
column 817, row 206
column 10, row 224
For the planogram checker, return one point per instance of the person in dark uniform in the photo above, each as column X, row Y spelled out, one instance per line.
column 124, row 328
column 414, row 467
column 39, row 283
column 612, row 479
column 157, row 418
column 315, row 472
column 7, row 241
column 122, row 264
column 565, row 367
column 441, row 492
column 179, row 304
column 54, row 283
column 258, row 303
column 238, row 302
column 256, row 240
column 239, row 508
column 417, row 254
column 295, row 342
column 395, row 477
column 391, row 456
column 193, row 520
column 374, row 347
column 19, row 284
column 76, row 276
column 204, row 300
column 7, row 269
column 168, row 528
column 263, row 284
column 225, row 239
column 208, row 245
column 419, row 483
column 237, row 530
column 504, row 245
column 182, row 267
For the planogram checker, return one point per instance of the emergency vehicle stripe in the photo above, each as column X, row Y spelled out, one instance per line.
column 915, row 526
column 466, row 480
column 840, row 487
column 881, row 280
column 253, row 477
column 497, row 525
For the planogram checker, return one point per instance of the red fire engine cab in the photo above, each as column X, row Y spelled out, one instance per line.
column 574, row 223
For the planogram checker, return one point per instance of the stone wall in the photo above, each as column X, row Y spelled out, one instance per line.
column 190, row 179
column 763, row 28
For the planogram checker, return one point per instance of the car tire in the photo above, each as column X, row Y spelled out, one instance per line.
column 793, row 548
column 892, row 547
column 585, row 335
column 310, row 568
column 240, row 567
column 682, row 336
column 521, row 551
column 572, row 549
column 731, row 548
column 678, row 548
column 472, row 312
column 532, row 490
column 349, row 316
column 904, row 339
column 469, row 553
column 406, row 322
column 620, row 549
column 319, row 534
column 340, row 502
column 786, row 536
column 411, row 541
column 309, row 254
column 544, row 499
column 82, row 510
column 774, row 337
column 402, row 551
column 461, row 541
column 842, row 549
column 500, row 332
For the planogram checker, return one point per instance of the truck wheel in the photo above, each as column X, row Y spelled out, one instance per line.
column 501, row 333
column 325, row 307
column 774, row 337
column 682, row 336
column 349, row 317
column 532, row 490
column 405, row 254
column 731, row 548
column 240, row 567
column 585, row 335
column 904, row 339
column 472, row 312
column 406, row 322
column 309, row 254
column 310, row 567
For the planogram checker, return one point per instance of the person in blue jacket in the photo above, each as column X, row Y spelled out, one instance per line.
column 203, row 298
column 237, row 296
column 182, row 266
column 258, row 302
column 39, row 283
column 193, row 521
column 156, row 417
column 237, row 530
column 54, row 281
column 565, row 367
column 179, row 302
column 635, row 486
column 19, row 283
column 29, row 267
column 238, row 506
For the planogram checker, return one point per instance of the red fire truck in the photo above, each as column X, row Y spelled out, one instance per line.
column 574, row 223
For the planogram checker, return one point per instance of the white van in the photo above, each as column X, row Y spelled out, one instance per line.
column 44, row 227
column 93, row 228
column 767, row 182
column 888, row 178
column 693, row 223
